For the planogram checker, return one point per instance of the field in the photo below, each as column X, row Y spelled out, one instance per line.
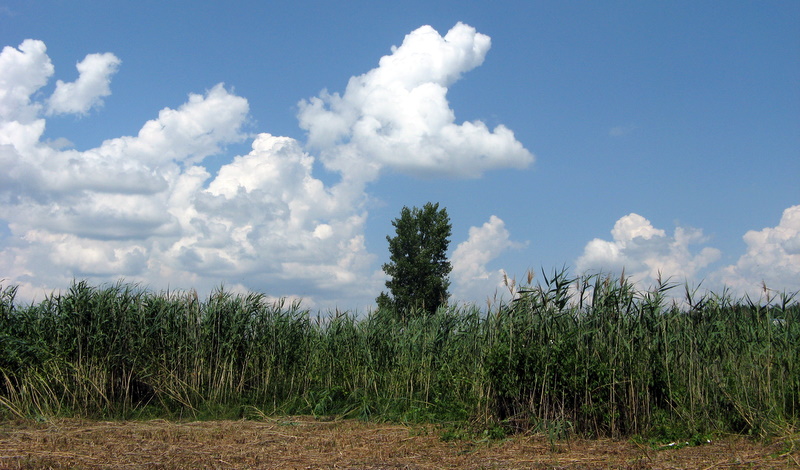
column 567, row 365
column 307, row 443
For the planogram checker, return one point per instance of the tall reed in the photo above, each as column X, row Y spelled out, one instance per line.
column 592, row 356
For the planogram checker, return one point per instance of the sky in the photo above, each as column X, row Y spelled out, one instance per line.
column 267, row 146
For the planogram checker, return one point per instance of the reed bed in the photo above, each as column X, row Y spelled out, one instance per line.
column 588, row 357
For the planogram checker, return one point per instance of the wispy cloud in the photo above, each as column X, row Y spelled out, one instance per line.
column 620, row 131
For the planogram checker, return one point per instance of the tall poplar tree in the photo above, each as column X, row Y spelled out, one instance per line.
column 419, row 268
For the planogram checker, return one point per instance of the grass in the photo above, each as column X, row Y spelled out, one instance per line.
column 588, row 357
column 309, row 443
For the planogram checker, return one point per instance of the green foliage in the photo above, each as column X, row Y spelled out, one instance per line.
column 419, row 268
column 615, row 361
column 590, row 357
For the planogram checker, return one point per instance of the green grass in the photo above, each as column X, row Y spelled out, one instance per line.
column 587, row 357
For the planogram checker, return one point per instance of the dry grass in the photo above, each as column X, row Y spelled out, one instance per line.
column 305, row 443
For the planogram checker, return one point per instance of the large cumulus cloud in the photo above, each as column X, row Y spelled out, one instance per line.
column 144, row 207
column 397, row 116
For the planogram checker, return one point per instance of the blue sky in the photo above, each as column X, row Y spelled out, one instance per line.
column 204, row 143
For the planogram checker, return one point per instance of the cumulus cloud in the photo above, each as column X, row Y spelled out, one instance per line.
column 131, row 165
column 645, row 252
column 472, row 279
column 772, row 258
column 141, row 207
column 198, row 128
column 265, row 214
column 22, row 72
column 144, row 207
column 397, row 115
column 87, row 91
column 264, row 222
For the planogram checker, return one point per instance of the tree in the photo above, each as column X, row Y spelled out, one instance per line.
column 419, row 268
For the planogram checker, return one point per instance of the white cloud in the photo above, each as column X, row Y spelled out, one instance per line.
column 92, row 84
column 142, row 165
column 645, row 252
column 266, row 215
column 144, row 208
column 471, row 277
column 22, row 72
column 136, row 206
column 620, row 131
column 264, row 223
column 397, row 116
column 772, row 258
column 199, row 128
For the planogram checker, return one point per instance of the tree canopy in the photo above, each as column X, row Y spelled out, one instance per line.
column 418, row 265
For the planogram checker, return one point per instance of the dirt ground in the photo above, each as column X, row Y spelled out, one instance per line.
column 305, row 443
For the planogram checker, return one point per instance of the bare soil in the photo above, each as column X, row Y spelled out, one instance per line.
column 305, row 443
